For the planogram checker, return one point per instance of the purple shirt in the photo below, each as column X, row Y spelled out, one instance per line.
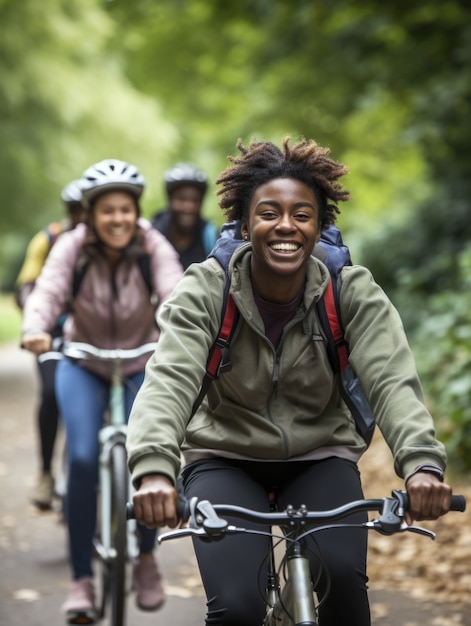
column 275, row 316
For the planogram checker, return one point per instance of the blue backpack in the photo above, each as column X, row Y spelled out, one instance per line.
column 335, row 255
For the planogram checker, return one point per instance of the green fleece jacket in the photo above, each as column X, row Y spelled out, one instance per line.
column 276, row 404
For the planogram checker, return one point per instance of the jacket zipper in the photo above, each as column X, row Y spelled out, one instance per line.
column 276, row 379
column 274, row 391
column 113, row 300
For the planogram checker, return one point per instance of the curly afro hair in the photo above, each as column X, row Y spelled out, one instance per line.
column 263, row 161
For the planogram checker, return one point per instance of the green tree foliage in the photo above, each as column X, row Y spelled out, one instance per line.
column 384, row 84
column 430, row 64
column 64, row 104
column 423, row 260
column 237, row 69
column 443, row 349
column 264, row 69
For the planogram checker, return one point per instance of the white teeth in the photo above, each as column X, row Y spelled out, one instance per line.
column 285, row 247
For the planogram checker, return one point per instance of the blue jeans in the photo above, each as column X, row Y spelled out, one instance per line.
column 83, row 398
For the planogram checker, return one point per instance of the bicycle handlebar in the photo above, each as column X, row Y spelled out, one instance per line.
column 81, row 351
column 206, row 520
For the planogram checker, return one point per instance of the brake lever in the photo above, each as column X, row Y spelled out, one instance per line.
column 182, row 532
column 377, row 525
column 418, row 530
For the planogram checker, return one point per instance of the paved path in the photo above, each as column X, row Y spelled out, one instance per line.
column 34, row 574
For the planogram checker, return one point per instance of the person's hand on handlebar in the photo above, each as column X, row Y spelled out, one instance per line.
column 155, row 502
column 38, row 342
column 429, row 498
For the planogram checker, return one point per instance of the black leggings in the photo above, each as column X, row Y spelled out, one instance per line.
column 230, row 569
column 48, row 413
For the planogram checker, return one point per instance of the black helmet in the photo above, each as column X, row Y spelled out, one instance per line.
column 185, row 174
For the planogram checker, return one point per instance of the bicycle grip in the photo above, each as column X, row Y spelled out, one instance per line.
column 183, row 509
column 130, row 511
column 458, row 503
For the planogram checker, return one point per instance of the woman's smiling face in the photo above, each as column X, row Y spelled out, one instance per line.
column 114, row 218
column 283, row 226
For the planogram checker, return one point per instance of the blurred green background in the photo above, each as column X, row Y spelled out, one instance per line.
column 387, row 86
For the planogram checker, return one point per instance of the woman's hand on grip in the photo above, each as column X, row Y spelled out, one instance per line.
column 38, row 343
column 429, row 498
column 155, row 502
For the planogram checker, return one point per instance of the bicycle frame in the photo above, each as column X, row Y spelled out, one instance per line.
column 113, row 433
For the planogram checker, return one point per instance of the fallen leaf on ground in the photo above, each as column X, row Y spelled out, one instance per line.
column 438, row 570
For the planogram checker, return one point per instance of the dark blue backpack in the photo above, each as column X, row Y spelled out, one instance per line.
column 335, row 255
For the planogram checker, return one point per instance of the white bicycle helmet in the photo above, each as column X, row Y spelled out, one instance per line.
column 109, row 175
column 72, row 194
column 184, row 174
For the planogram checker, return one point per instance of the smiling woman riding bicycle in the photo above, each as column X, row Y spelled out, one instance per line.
column 112, row 307
column 275, row 423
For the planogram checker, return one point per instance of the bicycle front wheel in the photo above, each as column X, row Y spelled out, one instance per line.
column 117, row 565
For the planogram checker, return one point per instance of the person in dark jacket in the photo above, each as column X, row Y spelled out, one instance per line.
column 192, row 236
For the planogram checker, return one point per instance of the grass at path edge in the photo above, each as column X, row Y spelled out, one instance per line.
column 10, row 319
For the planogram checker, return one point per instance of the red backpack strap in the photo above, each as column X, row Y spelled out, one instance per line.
column 327, row 307
column 337, row 350
column 218, row 356
column 336, row 329
column 218, row 359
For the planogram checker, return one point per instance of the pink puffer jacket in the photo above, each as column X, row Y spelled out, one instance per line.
column 109, row 311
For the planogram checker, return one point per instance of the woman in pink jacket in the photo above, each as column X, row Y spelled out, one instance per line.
column 95, row 271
